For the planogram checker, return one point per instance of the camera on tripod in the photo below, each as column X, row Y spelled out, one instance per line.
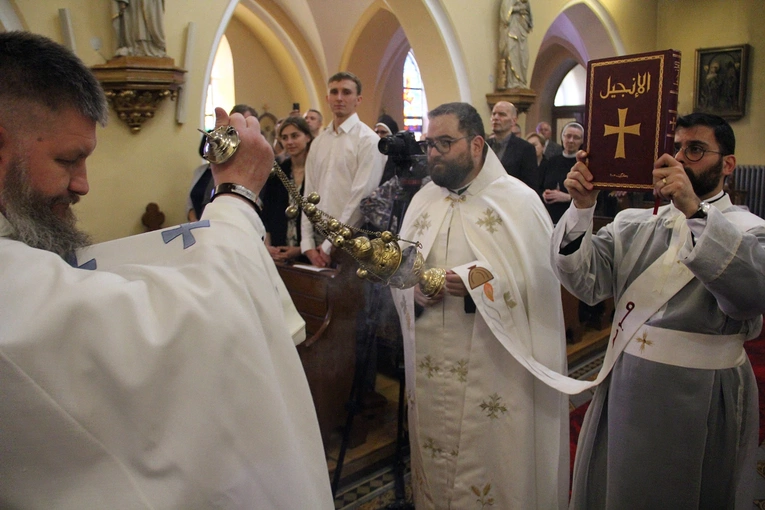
column 400, row 145
column 403, row 149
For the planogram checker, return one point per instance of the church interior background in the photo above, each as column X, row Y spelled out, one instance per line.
column 411, row 55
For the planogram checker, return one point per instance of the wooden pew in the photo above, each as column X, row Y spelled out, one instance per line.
column 329, row 301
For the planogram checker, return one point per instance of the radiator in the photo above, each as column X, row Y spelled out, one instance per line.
column 751, row 178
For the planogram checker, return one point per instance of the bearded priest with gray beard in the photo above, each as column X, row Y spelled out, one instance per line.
column 157, row 371
column 482, row 427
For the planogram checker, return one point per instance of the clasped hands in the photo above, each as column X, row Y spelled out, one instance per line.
column 283, row 253
column 551, row 196
column 669, row 180
column 318, row 258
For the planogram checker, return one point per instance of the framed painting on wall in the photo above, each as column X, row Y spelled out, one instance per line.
column 720, row 81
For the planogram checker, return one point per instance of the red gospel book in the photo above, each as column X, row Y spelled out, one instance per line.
column 629, row 118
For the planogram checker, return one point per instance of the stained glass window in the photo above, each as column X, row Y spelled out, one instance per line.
column 415, row 104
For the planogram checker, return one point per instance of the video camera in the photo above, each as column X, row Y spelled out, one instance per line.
column 406, row 153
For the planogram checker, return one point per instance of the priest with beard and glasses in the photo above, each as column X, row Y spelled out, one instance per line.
column 675, row 423
column 483, row 429
column 156, row 371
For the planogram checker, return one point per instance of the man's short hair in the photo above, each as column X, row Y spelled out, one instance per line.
column 722, row 130
column 36, row 70
column 345, row 75
column 470, row 121
column 317, row 112
column 244, row 108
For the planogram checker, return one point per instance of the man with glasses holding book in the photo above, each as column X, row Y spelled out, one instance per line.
column 482, row 428
column 675, row 423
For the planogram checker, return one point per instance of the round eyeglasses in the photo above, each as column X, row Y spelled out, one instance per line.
column 694, row 153
column 442, row 145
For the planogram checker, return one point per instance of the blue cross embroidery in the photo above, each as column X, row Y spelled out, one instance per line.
column 71, row 259
column 89, row 265
column 185, row 231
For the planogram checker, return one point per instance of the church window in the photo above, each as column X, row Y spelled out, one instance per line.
column 220, row 91
column 415, row 104
column 571, row 90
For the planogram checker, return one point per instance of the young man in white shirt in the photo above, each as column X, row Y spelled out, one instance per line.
column 343, row 165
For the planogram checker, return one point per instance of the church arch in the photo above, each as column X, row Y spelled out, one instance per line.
column 428, row 31
column 376, row 52
column 582, row 31
column 284, row 44
column 422, row 26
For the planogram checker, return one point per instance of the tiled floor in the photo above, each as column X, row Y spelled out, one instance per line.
column 373, row 492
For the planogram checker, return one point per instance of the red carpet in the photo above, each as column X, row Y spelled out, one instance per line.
column 575, row 425
column 756, row 351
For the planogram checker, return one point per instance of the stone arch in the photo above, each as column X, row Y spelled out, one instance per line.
column 581, row 32
column 426, row 28
column 283, row 42
column 376, row 52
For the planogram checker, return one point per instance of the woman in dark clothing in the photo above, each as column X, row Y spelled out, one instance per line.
column 538, row 141
column 554, row 192
column 283, row 234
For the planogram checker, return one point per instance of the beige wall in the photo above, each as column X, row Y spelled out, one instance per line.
column 714, row 23
column 258, row 82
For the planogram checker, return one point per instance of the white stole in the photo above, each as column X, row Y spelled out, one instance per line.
column 644, row 297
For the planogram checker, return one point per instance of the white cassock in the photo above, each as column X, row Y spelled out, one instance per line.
column 675, row 423
column 166, row 377
column 483, row 429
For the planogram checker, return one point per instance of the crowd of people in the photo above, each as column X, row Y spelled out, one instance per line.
column 537, row 160
column 160, row 370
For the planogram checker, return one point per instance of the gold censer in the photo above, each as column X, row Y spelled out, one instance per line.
column 378, row 254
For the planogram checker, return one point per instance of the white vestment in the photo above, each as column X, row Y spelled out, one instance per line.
column 343, row 166
column 660, row 434
column 159, row 374
column 483, row 429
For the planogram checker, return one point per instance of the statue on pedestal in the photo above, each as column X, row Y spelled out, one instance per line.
column 515, row 23
column 139, row 28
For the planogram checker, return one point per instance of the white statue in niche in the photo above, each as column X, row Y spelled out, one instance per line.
column 515, row 24
column 139, row 28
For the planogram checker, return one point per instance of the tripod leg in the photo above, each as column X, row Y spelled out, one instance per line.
column 357, row 389
column 401, row 445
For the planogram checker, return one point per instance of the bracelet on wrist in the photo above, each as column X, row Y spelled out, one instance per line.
column 229, row 188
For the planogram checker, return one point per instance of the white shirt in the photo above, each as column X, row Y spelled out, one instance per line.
column 343, row 166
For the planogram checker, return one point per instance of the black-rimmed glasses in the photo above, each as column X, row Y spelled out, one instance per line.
column 694, row 153
column 442, row 145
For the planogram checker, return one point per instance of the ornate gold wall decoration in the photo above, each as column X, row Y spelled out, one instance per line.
column 136, row 86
